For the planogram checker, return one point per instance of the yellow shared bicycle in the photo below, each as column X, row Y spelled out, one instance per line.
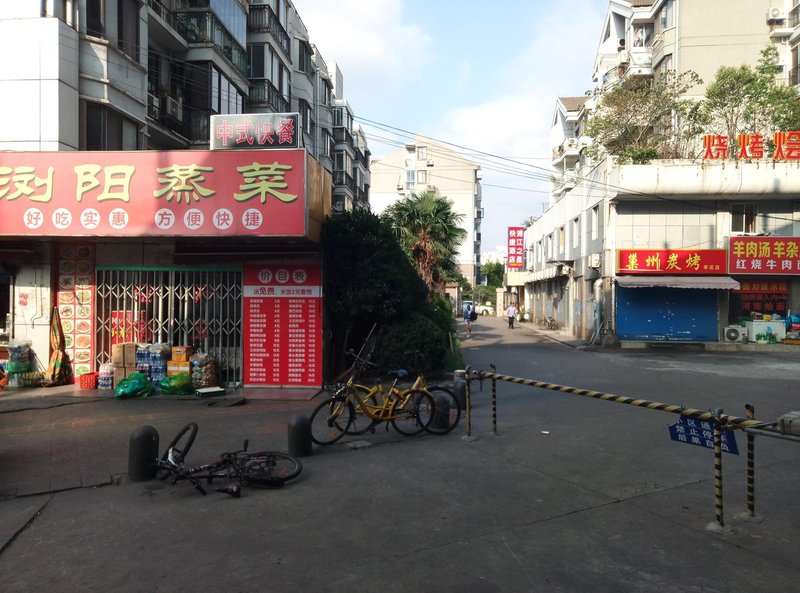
column 355, row 409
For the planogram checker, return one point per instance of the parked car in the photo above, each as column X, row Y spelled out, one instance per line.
column 484, row 309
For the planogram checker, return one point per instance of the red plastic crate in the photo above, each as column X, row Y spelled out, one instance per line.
column 88, row 380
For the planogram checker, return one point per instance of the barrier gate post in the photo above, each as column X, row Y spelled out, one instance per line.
column 469, row 402
column 494, row 401
column 718, row 467
column 751, row 465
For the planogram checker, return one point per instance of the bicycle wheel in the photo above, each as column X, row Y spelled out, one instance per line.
column 448, row 411
column 542, row 324
column 179, row 446
column 417, row 414
column 330, row 420
column 270, row 468
column 362, row 422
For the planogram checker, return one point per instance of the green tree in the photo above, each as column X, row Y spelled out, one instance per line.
column 645, row 118
column 494, row 272
column 746, row 100
column 430, row 232
column 369, row 280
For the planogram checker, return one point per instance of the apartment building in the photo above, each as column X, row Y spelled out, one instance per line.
column 150, row 77
column 681, row 249
column 422, row 164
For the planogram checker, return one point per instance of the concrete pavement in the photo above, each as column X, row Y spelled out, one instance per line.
column 571, row 495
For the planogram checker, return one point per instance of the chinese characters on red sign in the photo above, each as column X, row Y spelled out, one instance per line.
column 255, row 130
column 671, row 261
column 516, row 248
column 764, row 255
column 282, row 325
column 195, row 193
column 751, row 146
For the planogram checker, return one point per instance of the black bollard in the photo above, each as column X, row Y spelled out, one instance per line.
column 142, row 453
column 441, row 418
column 460, row 388
column 300, row 436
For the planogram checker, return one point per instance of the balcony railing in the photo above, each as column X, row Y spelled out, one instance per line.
column 167, row 16
column 261, row 19
column 204, row 27
column 342, row 178
column 794, row 76
column 263, row 91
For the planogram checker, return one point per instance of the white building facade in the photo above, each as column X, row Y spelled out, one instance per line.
column 677, row 250
column 423, row 164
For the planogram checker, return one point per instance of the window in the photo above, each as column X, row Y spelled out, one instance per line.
column 422, row 153
column 128, row 27
column 422, row 176
column 96, row 18
column 409, row 179
column 561, row 239
column 549, row 254
column 668, row 14
column 743, row 217
column 107, row 129
column 255, row 60
column 596, row 222
column 576, row 232
column 305, row 116
column 642, row 35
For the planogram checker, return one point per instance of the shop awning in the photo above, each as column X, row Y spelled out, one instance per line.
column 713, row 282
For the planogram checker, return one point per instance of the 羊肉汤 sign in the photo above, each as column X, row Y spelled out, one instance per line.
column 141, row 193
column 764, row 255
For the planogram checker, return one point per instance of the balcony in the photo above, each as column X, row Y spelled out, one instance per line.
column 166, row 28
column 344, row 179
column 570, row 147
column 205, row 28
column 263, row 92
column 261, row 19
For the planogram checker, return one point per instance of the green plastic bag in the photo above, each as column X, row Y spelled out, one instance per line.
column 134, row 385
column 180, row 384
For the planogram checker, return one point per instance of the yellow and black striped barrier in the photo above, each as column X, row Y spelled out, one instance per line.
column 721, row 422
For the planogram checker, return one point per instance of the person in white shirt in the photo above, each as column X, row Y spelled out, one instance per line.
column 511, row 313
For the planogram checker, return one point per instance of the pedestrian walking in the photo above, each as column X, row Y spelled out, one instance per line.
column 511, row 313
column 470, row 315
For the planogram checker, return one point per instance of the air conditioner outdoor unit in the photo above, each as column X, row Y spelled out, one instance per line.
column 775, row 14
column 621, row 44
column 429, row 163
column 594, row 260
column 734, row 333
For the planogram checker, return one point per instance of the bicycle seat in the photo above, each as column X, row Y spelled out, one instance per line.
column 399, row 374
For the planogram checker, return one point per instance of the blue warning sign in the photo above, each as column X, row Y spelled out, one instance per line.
column 701, row 433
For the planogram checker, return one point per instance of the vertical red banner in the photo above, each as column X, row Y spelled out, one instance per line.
column 516, row 248
column 282, row 325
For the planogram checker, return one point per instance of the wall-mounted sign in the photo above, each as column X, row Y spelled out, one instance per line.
column 255, row 130
column 516, row 248
column 143, row 193
column 764, row 255
column 282, row 325
column 751, row 146
column 674, row 262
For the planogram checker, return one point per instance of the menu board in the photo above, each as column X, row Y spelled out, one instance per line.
column 75, row 298
column 282, row 325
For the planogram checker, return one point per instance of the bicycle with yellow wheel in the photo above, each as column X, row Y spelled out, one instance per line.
column 355, row 409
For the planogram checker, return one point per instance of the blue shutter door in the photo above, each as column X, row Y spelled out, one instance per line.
column 667, row 314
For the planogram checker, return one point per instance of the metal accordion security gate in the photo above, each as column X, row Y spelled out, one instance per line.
column 201, row 308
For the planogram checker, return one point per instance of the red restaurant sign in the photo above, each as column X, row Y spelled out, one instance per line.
column 282, row 325
column 671, row 261
column 516, row 248
column 764, row 255
column 144, row 193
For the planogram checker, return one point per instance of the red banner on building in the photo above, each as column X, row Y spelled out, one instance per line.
column 143, row 193
column 516, row 248
column 282, row 325
column 673, row 262
column 764, row 255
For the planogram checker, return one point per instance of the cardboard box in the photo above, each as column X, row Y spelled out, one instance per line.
column 123, row 355
column 181, row 353
column 121, row 372
column 176, row 367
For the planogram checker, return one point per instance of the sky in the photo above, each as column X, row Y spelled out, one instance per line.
column 482, row 77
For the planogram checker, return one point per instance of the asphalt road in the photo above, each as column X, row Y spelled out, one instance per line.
column 571, row 495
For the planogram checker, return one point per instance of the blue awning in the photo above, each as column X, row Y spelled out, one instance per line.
column 712, row 282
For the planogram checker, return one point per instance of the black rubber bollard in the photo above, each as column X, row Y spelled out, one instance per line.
column 142, row 452
column 460, row 391
column 441, row 418
column 300, row 436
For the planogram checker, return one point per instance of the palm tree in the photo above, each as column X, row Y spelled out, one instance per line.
column 430, row 232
